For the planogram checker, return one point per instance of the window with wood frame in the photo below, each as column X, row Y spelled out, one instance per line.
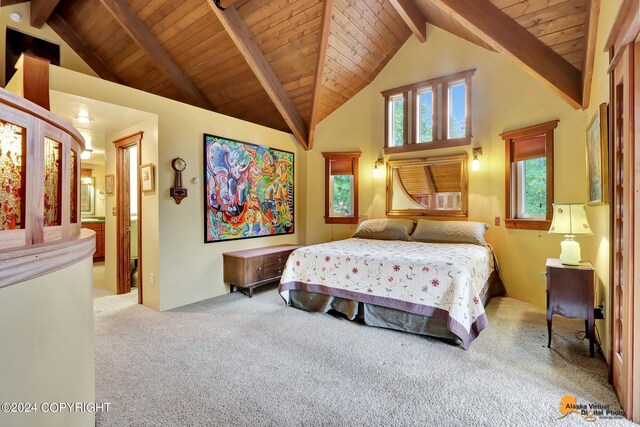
column 434, row 113
column 529, row 176
column 341, row 188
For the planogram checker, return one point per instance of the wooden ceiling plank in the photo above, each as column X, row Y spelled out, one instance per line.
column 564, row 35
column 152, row 47
column 412, row 17
column 327, row 13
column 66, row 33
column 591, row 37
column 507, row 36
column 550, row 13
column 41, row 10
column 244, row 41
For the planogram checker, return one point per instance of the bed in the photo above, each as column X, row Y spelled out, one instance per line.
column 435, row 289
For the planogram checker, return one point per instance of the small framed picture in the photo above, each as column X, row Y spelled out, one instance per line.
column 147, row 178
column 109, row 186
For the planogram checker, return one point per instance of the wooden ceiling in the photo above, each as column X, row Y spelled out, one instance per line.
column 288, row 64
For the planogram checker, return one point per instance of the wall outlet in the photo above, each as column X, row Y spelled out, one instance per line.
column 113, row 211
column 152, row 279
column 543, row 277
column 497, row 220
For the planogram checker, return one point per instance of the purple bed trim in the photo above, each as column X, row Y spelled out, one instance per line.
column 425, row 310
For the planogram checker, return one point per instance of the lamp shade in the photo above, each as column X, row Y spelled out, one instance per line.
column 570, row 218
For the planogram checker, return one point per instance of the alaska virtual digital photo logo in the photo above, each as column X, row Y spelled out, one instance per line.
column 588, row 411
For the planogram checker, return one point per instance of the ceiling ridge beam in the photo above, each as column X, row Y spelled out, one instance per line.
column 412, row 16
column 139, row 32
column 41, row 10
column 75, row 42
column 248, row 47
column 591, row 35
column 327, row 13
column 488, row 22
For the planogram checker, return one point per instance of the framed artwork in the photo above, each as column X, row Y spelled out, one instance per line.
column 147, row 178
column 597, row 158
column 109, row 184
column 248, row 190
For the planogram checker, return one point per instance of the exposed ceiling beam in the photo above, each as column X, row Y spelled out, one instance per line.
column 246, row 44
column 327, row 12
column 146, row 40
column 409, row 12
column 41, row 10
column 593, row 8
column 507, row 36
column 227, row 3
column 75, row 42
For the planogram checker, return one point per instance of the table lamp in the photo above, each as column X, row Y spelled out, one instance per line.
column 569, row 219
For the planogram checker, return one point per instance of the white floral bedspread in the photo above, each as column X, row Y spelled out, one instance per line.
column 433, row 279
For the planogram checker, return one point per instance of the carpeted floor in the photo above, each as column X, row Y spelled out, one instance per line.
column 235, row 361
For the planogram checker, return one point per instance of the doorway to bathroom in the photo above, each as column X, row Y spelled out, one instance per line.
column 129, row 214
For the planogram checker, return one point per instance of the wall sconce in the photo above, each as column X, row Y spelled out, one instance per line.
column 377, row 166
column 475, row 163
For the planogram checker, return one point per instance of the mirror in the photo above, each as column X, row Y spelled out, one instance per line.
column 434, row 186
column 88, row 196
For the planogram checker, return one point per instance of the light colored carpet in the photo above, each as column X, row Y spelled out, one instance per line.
column 235, row 361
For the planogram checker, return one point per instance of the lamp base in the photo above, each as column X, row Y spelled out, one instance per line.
column 570, row 254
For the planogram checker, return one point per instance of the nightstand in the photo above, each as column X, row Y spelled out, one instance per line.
column 570, row 294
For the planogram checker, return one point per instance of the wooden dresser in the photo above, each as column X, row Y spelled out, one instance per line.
column 244, row 270
column 98, row 227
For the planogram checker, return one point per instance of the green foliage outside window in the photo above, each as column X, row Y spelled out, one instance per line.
column 342, row 195
column 425, row 117
column 535, row 186
column 397, row 105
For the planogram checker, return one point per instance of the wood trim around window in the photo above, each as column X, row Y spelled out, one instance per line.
column 511, row 221
column 328, row 157
column 440, row 117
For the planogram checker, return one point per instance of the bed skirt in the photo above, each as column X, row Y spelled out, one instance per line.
column 390, row 318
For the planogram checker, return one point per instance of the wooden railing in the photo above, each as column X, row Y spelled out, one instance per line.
column 32, row 249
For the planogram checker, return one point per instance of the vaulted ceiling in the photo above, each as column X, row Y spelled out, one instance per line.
column 287, row 64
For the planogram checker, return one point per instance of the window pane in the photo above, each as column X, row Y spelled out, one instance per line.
column 11, row 174
column 73, row 199
column 341, row 195
column 425, row 116
column 534, row 174
column 397, row 122
column 52, row 169
column 457, row 110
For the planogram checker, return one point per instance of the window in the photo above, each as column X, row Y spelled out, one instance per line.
column 397, row 106
column 434, row 113
column 341, row 188
column 529, row 177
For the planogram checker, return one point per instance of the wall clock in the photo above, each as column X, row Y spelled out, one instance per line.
column 178, row 192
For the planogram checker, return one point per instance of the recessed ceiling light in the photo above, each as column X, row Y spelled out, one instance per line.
column 81, row 118
column 15, row 17
column 86, row 154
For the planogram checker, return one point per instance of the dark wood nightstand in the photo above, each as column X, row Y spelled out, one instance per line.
column 570, row 294
column 244, row 270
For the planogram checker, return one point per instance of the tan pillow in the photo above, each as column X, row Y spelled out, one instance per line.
column 450, row 232
column 385, row 229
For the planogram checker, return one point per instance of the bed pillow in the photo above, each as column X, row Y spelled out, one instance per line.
column 385, row 229
column 450, row 232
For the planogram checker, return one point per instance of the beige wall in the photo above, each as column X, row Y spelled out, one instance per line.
column 504, row 98
column 68, row 58
column 47, row 350
column 188, row 270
